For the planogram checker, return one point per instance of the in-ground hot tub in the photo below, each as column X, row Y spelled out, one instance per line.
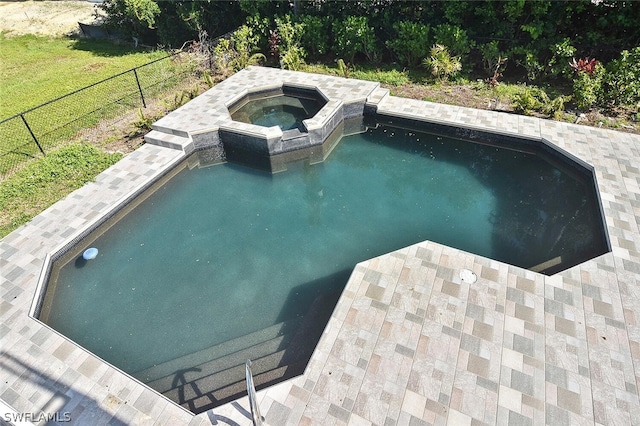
column 286, row 107
column 276, row 125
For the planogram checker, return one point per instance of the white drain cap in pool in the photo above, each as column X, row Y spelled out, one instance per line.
column 90, row 253
column 468, row 276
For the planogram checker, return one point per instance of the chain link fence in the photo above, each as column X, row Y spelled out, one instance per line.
column 32, row 133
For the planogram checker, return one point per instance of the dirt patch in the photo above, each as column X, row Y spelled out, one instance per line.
column 46, row 18
column 451, row 95
column 622, row 120
column 125, row 133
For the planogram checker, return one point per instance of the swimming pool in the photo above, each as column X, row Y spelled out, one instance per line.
column 219, row 253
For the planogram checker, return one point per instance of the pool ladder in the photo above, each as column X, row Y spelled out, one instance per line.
column 251, row 392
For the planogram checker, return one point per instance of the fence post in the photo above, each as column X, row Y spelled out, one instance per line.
column 24, row 120
column 135, row 73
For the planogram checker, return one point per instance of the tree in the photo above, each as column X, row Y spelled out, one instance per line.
column 135, row 18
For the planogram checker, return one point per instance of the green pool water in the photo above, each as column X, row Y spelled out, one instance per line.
column 220, row 252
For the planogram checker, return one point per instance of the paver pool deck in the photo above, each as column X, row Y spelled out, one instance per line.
column 409, row 342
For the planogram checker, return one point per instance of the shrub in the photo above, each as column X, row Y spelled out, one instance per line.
column 353, row 35
column 587, row 89
column 293, row 59
column 315, row 37
column 526, row 101
column 493, row 61
column 237, row 52
column 455, row 38
column 561, row 54
column 622, row 79
column 260, row 31
column 274, row 44
column 584, row 65
column 491, row 55
column 528, row 60
column 245, row 42
column 533, row 98
column 224, row 54
column 555, row 106
column 441, row 63
column 411, row 42
column 343, row 69
column 289, row 34
column 133, row 17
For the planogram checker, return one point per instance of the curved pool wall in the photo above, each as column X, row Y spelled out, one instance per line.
column 612, row 153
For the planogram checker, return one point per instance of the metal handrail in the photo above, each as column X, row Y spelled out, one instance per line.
column 251, row 391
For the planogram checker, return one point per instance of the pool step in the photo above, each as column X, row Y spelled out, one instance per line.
column 277, row 353
column 222, row 379
column 167, row 140
column 220, row 363
column 376, row 97
column 203, row 356
column 224, row 386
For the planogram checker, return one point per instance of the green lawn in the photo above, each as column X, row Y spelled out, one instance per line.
column 34, row 69
column 43, row 182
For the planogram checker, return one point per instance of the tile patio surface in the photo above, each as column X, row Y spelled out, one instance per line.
column 409, row 343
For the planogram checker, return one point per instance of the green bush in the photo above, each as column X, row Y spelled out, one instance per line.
column 246, row 44
column 441, row 63
column 259, row 27
column 490, row 53
column 526, row 101
column 622, row 79
column 588, row 89
column 134, row 17
column 528, row 60
column 493, row 61
column 532, row 98
column 411, row 43
column 561, row 54
column 455, row 38
column 353, row 36
column 343, row 69
column 292, row 55
column 238, row 52
column 289, row 33
column 315, row 37
column 293, row 59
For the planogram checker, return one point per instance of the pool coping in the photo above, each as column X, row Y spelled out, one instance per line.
column 409, row 342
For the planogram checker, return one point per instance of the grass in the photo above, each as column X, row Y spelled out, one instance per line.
column 386, row 75
column 41, row 183
column 34, row 70
column 87, row 61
